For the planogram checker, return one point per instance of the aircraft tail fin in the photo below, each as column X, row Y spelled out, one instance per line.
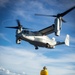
column 67, row 40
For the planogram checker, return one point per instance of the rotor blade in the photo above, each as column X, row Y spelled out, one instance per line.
column 18, row 22
column 63, row 21
column 66, row 12
column 26, row 28
column 13, row 27
column 45, row 15
column 16, row 27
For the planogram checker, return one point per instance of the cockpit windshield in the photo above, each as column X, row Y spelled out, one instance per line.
column 25, row 32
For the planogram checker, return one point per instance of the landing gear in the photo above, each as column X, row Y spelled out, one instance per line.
column 47, row 45
column 36, row 47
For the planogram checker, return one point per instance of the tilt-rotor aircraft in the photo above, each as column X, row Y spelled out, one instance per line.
column 40, row 38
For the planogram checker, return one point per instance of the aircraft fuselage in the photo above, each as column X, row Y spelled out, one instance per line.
column 37, row 41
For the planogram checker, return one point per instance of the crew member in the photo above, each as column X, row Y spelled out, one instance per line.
column 44, row 71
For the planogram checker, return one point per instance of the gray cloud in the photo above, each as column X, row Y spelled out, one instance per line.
column 4, row 71
column 24, row 60
column 3, row 3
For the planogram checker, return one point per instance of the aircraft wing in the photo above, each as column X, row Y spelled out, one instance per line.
column 47, row 30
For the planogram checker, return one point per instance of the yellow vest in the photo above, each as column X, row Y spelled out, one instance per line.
column 44, row 72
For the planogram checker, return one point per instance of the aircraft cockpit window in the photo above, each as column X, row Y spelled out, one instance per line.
column 26, row 32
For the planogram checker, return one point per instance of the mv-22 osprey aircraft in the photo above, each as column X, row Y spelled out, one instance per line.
column 40, row 38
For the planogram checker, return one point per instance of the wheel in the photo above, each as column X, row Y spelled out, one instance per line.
column 47, row 45
column 36, row 47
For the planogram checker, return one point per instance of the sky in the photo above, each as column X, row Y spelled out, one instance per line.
column 23, row 59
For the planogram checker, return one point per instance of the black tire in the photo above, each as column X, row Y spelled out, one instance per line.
column 47, row 45
column 36, row 47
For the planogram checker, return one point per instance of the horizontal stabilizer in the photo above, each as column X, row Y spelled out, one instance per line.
column 67, row 39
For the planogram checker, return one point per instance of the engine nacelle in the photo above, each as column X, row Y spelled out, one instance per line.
column 57, row 26
column 18, row 41
column 19, row 30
